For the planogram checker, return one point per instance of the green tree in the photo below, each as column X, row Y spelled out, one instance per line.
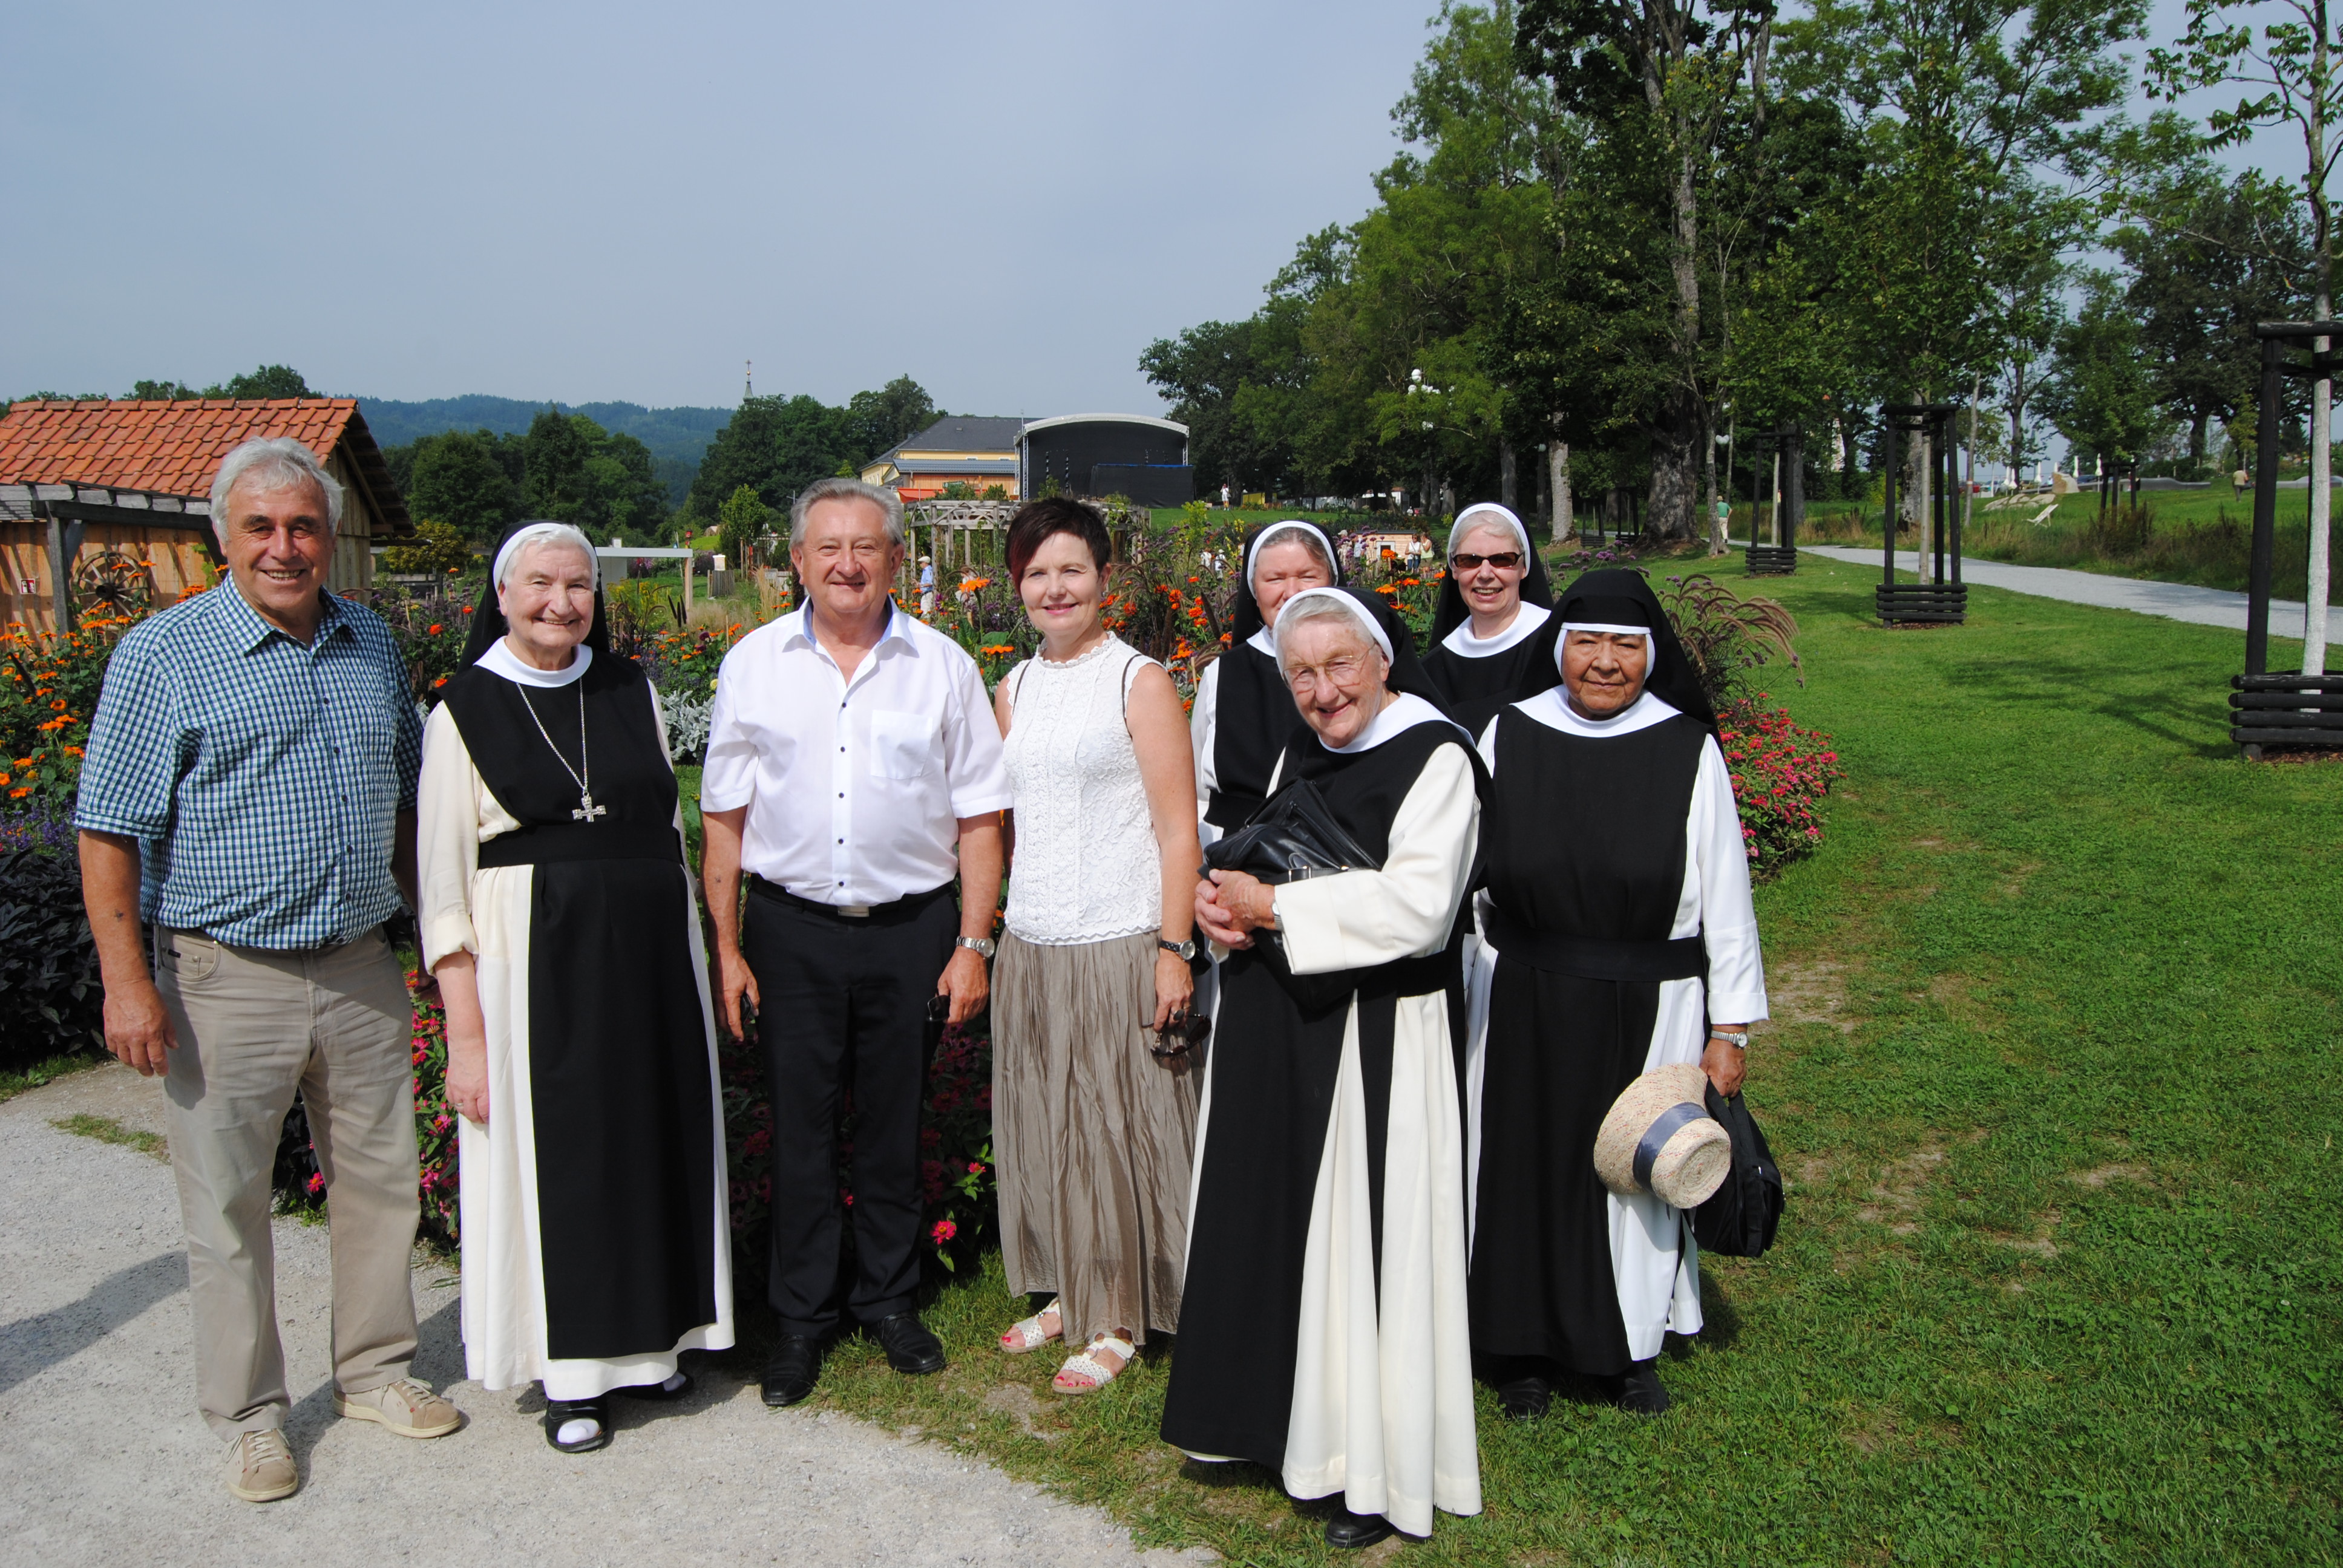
column 438, row 549
column 161, row 391
column 2209, row 258
column 268, row 381
column 741, row 520
column 458, row 479
column 578, row 472
column 2101, row 394
column 2293, row 62
column 876, row 421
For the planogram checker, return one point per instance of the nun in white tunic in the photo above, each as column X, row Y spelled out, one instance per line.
column 1323, row 1334
column 1616, row 925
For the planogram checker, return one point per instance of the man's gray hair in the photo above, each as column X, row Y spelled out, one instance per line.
column 274, row 463
column 890, row 505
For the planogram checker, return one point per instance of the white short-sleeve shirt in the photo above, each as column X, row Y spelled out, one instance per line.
column 854, row 788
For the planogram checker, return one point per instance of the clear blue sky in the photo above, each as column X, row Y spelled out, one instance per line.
column 585, row 201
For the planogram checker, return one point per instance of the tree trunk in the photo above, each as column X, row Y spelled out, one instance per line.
column 1674, row 490
column 1557, row 461
column 1716, row 525
column 1914, row 484
column 1506, row 485
column 2196, row 440
column 1537, row 506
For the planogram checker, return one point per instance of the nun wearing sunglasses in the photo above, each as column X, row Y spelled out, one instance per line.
column 1493, row 633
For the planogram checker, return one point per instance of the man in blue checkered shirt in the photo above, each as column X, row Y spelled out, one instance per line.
column 248, row 799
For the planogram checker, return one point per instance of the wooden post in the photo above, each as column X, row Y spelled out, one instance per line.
column 688, row 555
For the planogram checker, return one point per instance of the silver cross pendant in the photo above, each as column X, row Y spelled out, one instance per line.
column 587, row 811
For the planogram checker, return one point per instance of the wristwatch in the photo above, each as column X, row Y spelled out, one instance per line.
column 982, row 946
column 1737, row 1042
column 1186, row 951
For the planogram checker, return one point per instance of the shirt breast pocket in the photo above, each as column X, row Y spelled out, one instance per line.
column 902, row 744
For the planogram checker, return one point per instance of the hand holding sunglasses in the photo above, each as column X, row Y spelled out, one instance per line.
column 1181, row 1033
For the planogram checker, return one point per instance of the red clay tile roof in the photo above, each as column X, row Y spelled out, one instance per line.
column 172, row 448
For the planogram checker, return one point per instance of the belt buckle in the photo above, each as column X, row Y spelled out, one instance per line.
column 853, row 911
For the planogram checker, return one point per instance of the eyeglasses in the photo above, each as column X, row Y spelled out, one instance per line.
column 1466, row 562
column 1341, row 672
column 1181, row 1033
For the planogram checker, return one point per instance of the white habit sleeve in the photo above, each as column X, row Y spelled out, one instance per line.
column 1717, row 861
column 447, row 840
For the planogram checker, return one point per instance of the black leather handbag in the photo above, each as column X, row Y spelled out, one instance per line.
column 1739, row 1220
column 1294, row 836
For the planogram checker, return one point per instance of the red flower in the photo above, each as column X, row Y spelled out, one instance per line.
column 944, row 1232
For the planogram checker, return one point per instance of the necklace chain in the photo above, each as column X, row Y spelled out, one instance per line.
column 587, row 811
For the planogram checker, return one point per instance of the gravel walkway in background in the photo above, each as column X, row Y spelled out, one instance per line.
column 107, row 1463
column 2174, row 601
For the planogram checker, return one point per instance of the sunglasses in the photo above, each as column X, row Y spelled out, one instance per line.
column 1466, row 561
column 1181, row 1033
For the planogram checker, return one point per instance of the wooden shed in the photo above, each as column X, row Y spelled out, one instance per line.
column 100, row 499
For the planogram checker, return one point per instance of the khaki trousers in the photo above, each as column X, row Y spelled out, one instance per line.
column 254, row 1026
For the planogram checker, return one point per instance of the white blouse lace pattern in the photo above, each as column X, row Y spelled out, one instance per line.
column 1086, row 867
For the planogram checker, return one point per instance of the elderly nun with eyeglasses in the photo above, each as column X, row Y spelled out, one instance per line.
column 1322, row 1329
column 559, row 918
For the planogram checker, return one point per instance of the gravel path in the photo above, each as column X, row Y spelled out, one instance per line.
column 2174, row 601
column 108, row 1462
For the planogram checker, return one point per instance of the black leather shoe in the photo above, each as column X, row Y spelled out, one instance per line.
column 910, row 1348
column 1640, row 1390
column 1526, row 1398
column 1347, row 1530
column 559, row 1413
column 796, row 1366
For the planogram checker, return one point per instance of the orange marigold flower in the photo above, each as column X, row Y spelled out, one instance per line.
column 20, row 792
column 435, row 629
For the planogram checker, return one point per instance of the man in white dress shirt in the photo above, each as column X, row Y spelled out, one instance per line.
column 853, row 773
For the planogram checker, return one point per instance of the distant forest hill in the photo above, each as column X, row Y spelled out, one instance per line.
column 677, row 437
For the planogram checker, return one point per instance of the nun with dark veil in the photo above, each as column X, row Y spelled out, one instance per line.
column 1618, row 937
column 558, row 918
column 1322, row 1329
column 1493, row 631
column 1243, row 714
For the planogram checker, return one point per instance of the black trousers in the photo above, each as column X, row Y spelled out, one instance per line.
column 843, row 1002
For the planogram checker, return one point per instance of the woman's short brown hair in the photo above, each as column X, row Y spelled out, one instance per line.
column 1037, row 521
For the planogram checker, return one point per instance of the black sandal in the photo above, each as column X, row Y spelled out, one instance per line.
column 659, row 1392
column 558, row 1411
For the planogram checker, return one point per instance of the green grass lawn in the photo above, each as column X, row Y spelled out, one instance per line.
column 2050, row 1078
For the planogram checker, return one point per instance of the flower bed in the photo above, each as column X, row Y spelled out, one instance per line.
column 1780, row 774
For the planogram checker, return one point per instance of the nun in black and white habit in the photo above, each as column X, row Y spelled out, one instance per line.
column 1618, row 937
column 1322, row 1331
column 559, row 917
column 1243, row 716
column 1494, row 645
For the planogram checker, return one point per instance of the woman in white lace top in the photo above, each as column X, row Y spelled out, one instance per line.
column 1093, row 1093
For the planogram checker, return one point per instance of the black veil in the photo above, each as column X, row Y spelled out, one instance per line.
column 1451, row 612
column 1616, row 597
column 488, row 623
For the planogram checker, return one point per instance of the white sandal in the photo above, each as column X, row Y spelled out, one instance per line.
column 1088, row 1365
column 1026, row 1333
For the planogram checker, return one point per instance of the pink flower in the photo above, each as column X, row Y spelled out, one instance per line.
column 944, row 1232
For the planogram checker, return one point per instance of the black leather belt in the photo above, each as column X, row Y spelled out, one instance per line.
column 1595, row 957
column 895, row 910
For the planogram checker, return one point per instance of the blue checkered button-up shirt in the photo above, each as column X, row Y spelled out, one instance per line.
column 262, row 778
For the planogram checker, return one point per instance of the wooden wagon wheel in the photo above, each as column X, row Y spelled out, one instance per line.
column 120, row 582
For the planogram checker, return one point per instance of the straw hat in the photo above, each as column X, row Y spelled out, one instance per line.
column 1661, row 1124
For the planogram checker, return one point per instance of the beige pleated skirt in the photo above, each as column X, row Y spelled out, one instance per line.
column 1092, row 1134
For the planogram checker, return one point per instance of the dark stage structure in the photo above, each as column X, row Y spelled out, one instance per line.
column 1101, row 455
